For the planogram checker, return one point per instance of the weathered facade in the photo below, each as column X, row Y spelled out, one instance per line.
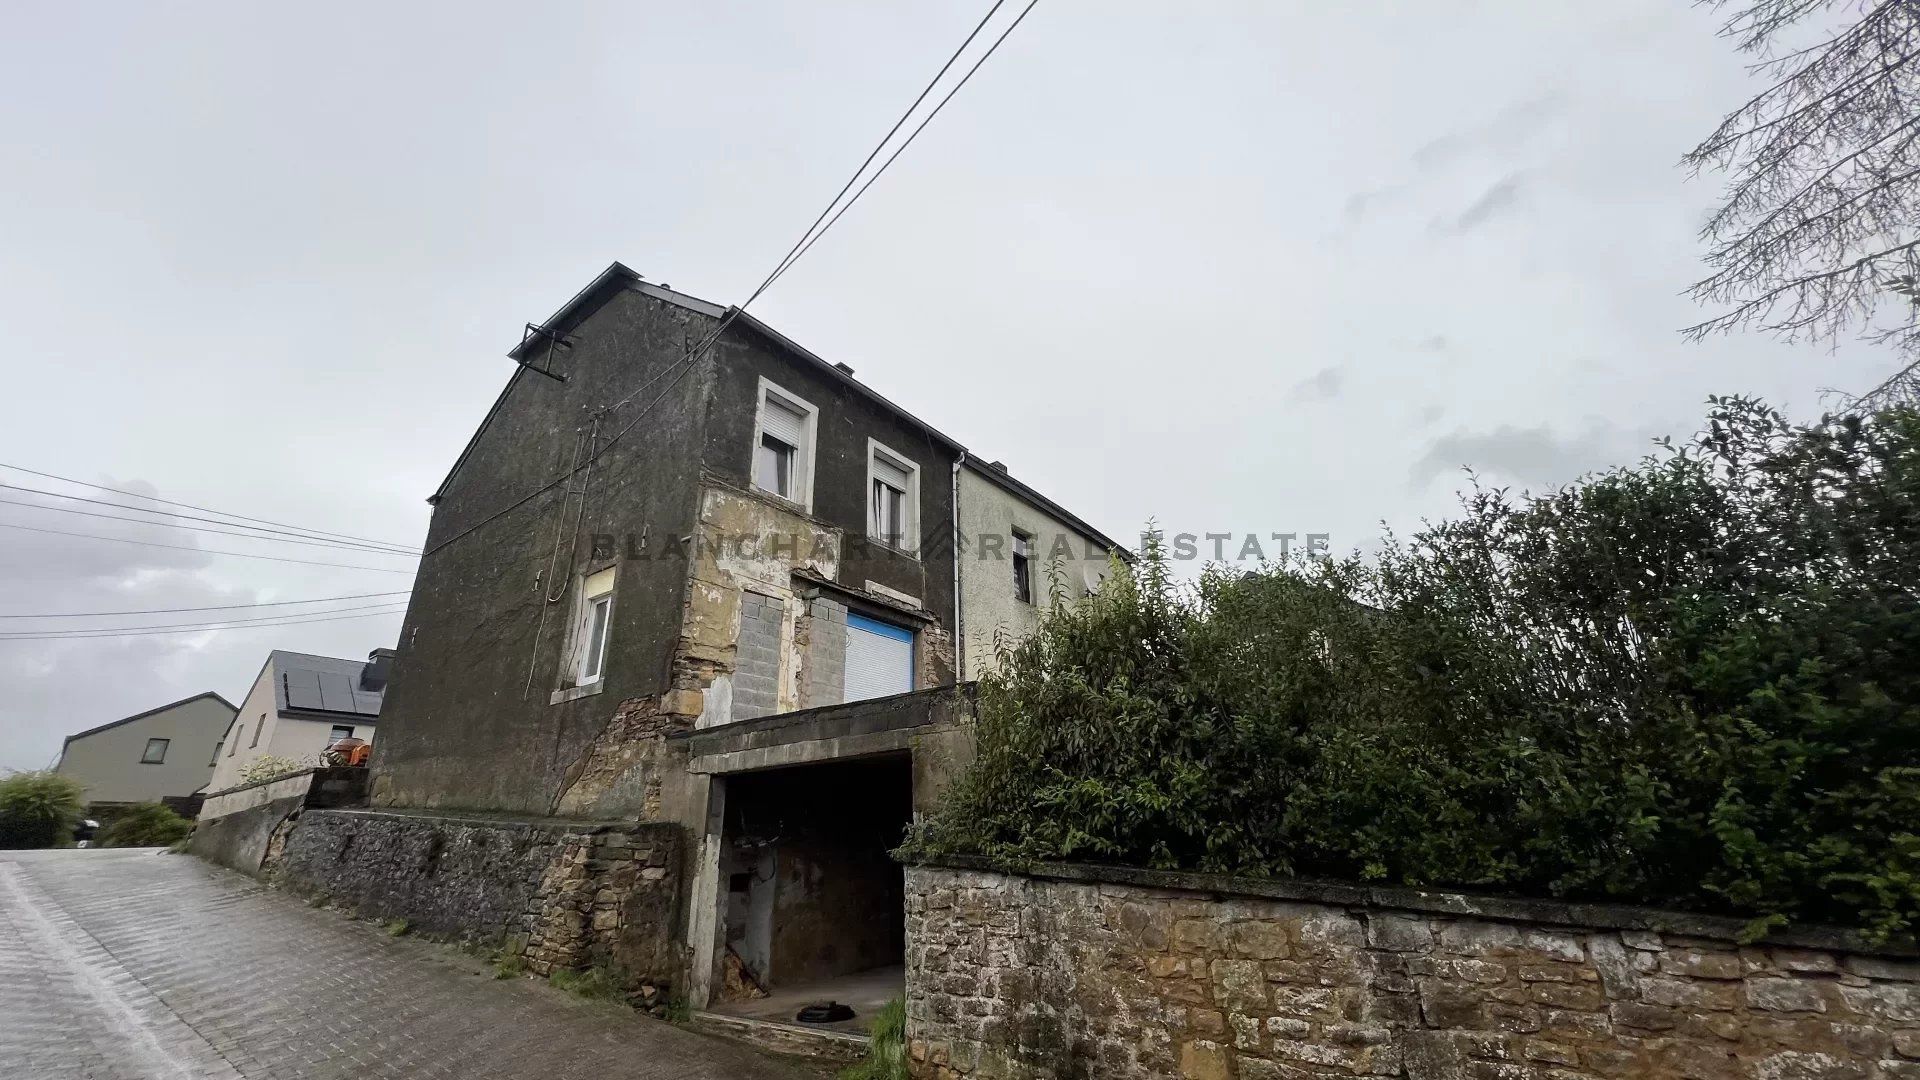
column 1018, row 551
column 687, row 574
column 1082, row 972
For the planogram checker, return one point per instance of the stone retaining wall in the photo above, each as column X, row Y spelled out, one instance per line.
column 1081, row 973
column 562, row 894
column 239, row 826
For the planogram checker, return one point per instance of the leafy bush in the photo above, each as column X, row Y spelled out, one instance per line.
column 270, row 766
column 1693, row 682
column 38, row 810
column 145, row 825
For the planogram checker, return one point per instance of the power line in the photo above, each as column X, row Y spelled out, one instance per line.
column 333, row 544
column 878, row 173
column 190, row 506
column 680, row 367
column 201, row 551
column 371, row 546
column 202, row 630
column 212, row 607
column 96, row 630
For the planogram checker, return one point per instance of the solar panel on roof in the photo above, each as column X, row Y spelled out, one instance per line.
column 336, row 693
column 303, row 690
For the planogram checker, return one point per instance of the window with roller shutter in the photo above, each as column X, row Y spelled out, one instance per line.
column 879, row 658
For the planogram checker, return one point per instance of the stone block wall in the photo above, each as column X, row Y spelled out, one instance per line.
column 1074, row 972
column 563, row 894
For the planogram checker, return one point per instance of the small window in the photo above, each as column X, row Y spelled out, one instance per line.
column 156, row 752
column 340, row 731
column 1023, row 567
column 257, row 725
column 239, row 728
column 783, row 445
column 216, row 752
column 592, row 662
column 893, row 498
column 593, row 625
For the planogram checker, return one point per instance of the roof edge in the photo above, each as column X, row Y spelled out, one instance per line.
column 1009, row 483
column 214, row 694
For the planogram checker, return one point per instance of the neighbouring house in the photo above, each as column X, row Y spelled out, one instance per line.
column 161, row 754
column 299, row 705
column 724, row 592
column 1018, row 550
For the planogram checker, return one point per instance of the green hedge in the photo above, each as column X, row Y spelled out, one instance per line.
column 38, row 809
column 1689, row 683
column 144, row 825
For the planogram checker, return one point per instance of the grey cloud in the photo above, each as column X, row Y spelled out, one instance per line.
column 1432, row 343
column 1509, row 128
column 1360, row 203
column 1323, row 385
column 1537, row 457
column 1502, row 196
column 1431, row 413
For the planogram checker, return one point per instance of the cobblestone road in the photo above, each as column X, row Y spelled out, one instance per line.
column 134, row 964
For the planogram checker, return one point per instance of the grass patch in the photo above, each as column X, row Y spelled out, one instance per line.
column 509, row 966
column 679, row 1010
column 398, row 927
column 597, row 983
column 887, row 1054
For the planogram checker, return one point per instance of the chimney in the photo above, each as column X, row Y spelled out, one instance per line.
column 373, row 677
column 844, row 370
column 1001, row 465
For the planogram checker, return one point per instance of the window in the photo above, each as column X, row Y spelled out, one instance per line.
column 893, row 498
column 258, row 724
column 156, row 752
column 340, row 731
column 216, row 752
column 879, row 658
column 593, row 626
column 1023, row 567
column 239, row 728
column 783, row 445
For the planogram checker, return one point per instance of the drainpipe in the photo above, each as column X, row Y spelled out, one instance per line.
column 959, row 621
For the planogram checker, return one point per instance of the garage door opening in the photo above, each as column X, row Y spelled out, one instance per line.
column 814, row 907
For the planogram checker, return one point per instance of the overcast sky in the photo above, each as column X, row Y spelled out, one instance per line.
column 1249, row 268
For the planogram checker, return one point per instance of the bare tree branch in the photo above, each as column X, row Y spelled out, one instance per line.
column 1818, row 233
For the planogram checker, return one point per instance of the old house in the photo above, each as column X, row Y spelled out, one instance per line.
column 161, row 754
column 690, row 616
column 300, row 704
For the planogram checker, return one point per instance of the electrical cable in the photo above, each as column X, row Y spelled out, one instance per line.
column 200, row 631
column 211, row 521
column 333, row 544
column 190, row 506
column 679, row 367
column 211, row 607
column 202, row 551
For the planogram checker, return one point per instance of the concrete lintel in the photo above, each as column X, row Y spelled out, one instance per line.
column 806, row 752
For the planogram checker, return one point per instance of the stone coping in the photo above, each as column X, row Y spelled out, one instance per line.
column 489, row 819
column 263, row 783
column 1501, row 908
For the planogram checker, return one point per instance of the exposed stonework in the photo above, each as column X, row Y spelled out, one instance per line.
column 622, row 768
column 563, row 894
column 1040, row 976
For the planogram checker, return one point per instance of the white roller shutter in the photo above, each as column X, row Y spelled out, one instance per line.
column 879, row 659
column 888, row 473
column 783, row 422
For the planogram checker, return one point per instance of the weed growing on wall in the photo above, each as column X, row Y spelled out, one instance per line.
column 1691, row 682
